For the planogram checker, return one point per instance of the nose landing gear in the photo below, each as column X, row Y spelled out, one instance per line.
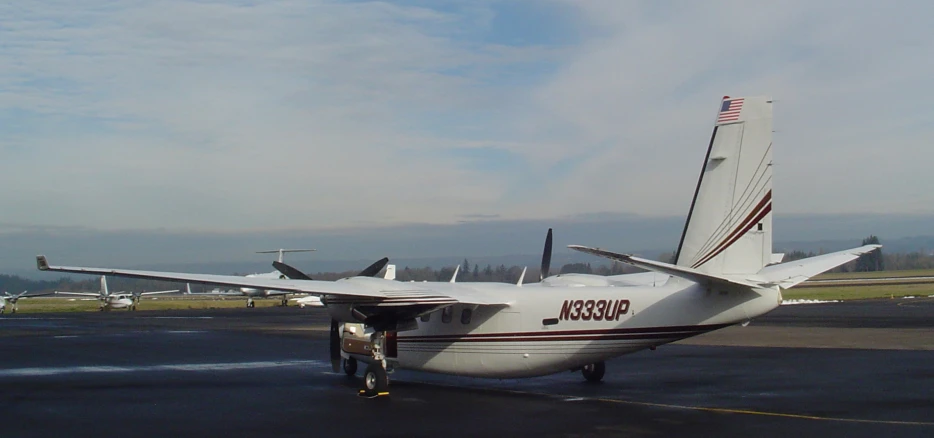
column 375, row 378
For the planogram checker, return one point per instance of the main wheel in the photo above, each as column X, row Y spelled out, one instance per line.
column 594, row 372
column 350, row 366
column 375, row 379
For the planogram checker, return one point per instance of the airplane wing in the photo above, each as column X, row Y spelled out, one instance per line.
column 80, row 294
column 377, row 290
column 790, row 274
column 36, row 295
column 158, row 292
column 665, row 268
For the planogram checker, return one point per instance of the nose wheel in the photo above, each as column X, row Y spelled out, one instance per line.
column 375, row 378
column 594, row 372
column 375, row 381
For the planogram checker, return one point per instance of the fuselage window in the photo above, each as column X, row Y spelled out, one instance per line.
column 446, row 314
column 465, row 316
column 426, row 317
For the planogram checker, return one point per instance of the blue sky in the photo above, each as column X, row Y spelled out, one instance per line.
column 284, row 114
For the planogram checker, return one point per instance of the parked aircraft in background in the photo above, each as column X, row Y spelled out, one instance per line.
column 723, row 275
column 315, row 301
column 8, row 299
column 116, row 300
column 251, row 292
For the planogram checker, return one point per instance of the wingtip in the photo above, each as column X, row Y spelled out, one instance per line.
column 42, row 263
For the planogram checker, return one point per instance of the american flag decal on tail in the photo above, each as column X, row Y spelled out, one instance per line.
column 729, row 110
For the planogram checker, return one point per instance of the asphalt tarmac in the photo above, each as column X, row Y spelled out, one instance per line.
column 264, row 372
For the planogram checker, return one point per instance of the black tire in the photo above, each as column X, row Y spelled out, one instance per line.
column 594, row 372
column 350, row 366
column 375, row 379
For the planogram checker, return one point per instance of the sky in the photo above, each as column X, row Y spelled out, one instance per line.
column 251, row 116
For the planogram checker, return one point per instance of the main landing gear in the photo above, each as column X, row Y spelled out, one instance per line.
column 350, row 366
column 284, row 302
column 250, row 304
column 375, row 378
column 594, row 372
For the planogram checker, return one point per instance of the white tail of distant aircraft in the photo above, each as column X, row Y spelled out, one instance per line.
column 722, row 277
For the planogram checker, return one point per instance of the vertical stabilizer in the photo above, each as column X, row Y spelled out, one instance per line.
column 282, row 251
column 729, row 226
column 390, row 272
column 104, row 291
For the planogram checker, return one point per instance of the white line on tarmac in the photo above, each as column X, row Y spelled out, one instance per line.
column 177, row 317
column 196, row 367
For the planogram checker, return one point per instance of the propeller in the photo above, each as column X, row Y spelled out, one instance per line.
column 290, row 272
column 546, row 257
column 295, row 274
column 373, row 270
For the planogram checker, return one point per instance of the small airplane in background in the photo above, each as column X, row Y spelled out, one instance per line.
column 116, row 300
column 723, row 274
column 8, row 299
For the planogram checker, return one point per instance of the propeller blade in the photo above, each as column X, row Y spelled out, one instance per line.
column 290, row 272
column 335, row 346
column 546, row 257
column 373, row 270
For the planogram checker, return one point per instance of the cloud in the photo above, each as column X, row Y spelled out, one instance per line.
column 287, row 114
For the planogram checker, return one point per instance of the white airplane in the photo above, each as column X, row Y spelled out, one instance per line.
column 116, row 300
column 723, row 275
column 10, row 299
column 252, row 292
column 315, row 301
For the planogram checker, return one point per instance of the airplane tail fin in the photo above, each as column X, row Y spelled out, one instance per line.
column 390, row 272
column 729, row 227
column 104, row 291
column 281, row 251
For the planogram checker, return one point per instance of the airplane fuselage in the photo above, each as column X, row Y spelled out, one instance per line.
column 117, row 302
column 553, row 329
column 262, row 293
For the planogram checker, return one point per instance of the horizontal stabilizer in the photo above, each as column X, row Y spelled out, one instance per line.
column 666, row 268
column 790, row 274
